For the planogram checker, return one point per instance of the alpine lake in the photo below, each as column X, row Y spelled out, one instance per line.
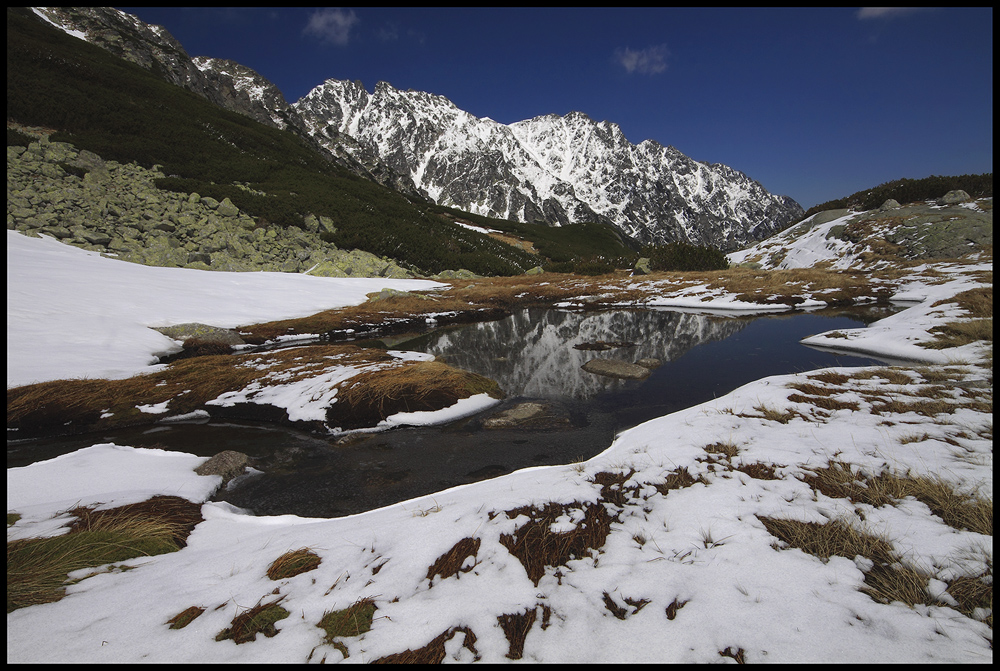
column 536, row 355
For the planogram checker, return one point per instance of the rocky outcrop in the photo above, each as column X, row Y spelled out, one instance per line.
column 116, row 209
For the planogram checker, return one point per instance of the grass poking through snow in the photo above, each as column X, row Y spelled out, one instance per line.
column 38, row 568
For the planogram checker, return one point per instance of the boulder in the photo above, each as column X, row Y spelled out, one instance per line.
column 954, row 197
column 616, row 368
column 229, row 464
column 642, row 267
column 203, row 333
column 890, row 204
column 649, row 363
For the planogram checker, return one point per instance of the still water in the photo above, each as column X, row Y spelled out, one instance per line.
column 533, row 354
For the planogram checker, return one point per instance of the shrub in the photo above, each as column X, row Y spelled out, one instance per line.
column 682, row 256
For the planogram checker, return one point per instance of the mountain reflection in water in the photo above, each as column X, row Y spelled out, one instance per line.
column 531, row 354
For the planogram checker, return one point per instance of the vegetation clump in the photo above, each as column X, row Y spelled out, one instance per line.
column 910, row 191
column 37, row 568
column 354, row 620
column 293, row 563
column 257, row 620
column 680, row 256
column 537, row 546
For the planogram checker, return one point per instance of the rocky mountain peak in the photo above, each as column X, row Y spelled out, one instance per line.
column 553, row 169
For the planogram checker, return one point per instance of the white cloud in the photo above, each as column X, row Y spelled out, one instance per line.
column 886, row 12
column 648, row 61
column 332, row 25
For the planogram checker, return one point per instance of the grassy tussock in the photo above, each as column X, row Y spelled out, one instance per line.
column 726, row 449
column 354, row 620
column 293, row 563
column 259, row 619
column 956, row 334
column 775, row 415
column 369, row 397
column 974, row 593
column 37, row 568
column 613, row 489
column 758, row 471
column 536, row 546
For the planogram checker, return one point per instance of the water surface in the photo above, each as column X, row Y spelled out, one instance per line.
column 532, row 355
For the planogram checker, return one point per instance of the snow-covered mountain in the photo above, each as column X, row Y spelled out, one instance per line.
column 551, row 169
column 554, row 169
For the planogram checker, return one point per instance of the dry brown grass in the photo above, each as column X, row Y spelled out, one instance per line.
column 612, row 487
column 974, row 593
column 758, row 471
column 775, row 415
column 387, row 385
column 293, row 563
column 77, row 405
column 726, row 449
column 453, row 561
column 434, row 652
column 886, row 581
column 37, row 568
column 825, row 402
column 978, row 305
column 536, row 546
column 673, row 607
column 369, row 397
column 956, row 509
column 891, row 375
column 679, row 479
column 516, row 627
column 830, row 377
column 185, row 617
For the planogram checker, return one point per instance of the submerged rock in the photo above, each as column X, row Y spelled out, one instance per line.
column 528, row 415
column 616, row 368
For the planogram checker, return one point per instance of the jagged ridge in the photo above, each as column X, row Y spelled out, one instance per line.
column 555, row 169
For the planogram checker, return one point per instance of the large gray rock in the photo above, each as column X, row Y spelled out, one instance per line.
column 616, row 368
column 229, row 464
column 203, row 333
column 954, row 198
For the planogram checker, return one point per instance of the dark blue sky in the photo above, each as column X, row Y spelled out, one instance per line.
column 813, row 103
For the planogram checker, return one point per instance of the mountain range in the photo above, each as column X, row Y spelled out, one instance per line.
column 551, row 169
